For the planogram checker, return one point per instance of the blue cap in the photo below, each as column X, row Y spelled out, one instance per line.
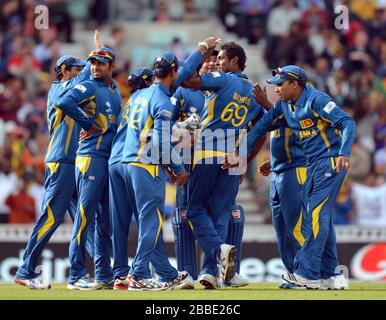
column 68, row 61
column 102, row 54
column 138, row 77
column 164, row 63
column 289, row 72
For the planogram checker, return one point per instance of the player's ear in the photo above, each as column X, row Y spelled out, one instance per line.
column 112, row 66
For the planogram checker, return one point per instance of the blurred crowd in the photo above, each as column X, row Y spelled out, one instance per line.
column 349, row 64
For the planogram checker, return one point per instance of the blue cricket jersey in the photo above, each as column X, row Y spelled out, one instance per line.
column 63, row 131
column 187, row 101
column 102, row 103
column 230, row 105
column 323, row 129
column 148, row 137
column 285, row 151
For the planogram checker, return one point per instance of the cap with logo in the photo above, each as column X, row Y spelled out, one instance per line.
column 138, row 77
column 164, row 63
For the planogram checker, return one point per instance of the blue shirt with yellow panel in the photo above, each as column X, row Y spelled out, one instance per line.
column 63, row 131
column 230, row 105
column 322, row 128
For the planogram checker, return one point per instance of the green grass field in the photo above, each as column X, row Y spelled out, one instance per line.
column 262, row 291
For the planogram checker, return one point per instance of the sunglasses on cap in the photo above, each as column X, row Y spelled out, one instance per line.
column 100, row 53
column 279, row 71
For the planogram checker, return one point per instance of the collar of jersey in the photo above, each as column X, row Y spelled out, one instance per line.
column 163, row 88
column 239, row 74
column 303, row 97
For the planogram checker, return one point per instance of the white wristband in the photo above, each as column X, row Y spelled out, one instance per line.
column 204, row 44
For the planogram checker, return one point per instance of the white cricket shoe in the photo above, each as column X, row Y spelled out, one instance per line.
column 237, row 281
column 35, row 283
column 227, row 262
column 338, row 282
column 209, row 281
column 300, row 281
column 84, row 283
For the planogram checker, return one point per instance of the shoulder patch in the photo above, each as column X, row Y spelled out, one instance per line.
column 81, row 88
column 166, row 113
column 216, row 74
column 329, row 106
column 173, row 100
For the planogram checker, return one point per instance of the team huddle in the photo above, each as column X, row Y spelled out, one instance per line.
column 200, row 121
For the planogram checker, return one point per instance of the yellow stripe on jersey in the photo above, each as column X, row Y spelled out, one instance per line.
column 301, row 174
column 210, row 115
column 151, row 168
column 160, row 225
column 288, row 132
column 102, row 123
column 298, row 230
column 82, row 225
column 57, row 121
column 53, row 166
column 70, row 123
column 315, row 218
column 83, row 163
column 203, row 154
column 322, row 125
column 48, row 224
column 143, row 135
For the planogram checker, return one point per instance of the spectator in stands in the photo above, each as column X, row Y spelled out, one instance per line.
column 21, row 205
column 380, row 163
column 360, row 163
column 162, row 14
column 120, row 47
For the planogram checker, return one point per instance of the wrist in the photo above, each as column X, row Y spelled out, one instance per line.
column 204, row 46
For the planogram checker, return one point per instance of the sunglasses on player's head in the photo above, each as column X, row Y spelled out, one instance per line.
column 101, row 53
column 279, row 71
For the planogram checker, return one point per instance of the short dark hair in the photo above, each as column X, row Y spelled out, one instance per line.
column 232, row 50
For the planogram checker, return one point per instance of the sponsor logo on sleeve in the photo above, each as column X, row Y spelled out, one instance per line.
column 166, row 113
column 329, row 106
column 81, row 88
column 216, row 74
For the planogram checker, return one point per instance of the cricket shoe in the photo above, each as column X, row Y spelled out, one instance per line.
column 146, row 284
column 236, row 282
column 35, row 283
column 122, row 283
column 300, row 281
column 209, row 281
column 183, row 281
column 106, row 285
column 338, row 282
column 287, row 285
column 228, row 255
column 84, row 283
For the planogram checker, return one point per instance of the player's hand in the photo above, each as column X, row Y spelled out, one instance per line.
column 173, row 177
column 190, row 124
column 265, row 168
column 231, row 160
column 182, row 178
column 260, row 95
column 343, row 163
column 84, row 134
column 97, row 40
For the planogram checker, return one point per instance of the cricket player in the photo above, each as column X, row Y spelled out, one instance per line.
column 60, row 194
column 189, row 102
column 288, row 169
column 325, row 133
column 100, row 99
column 147, row 147
column 228, row 109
